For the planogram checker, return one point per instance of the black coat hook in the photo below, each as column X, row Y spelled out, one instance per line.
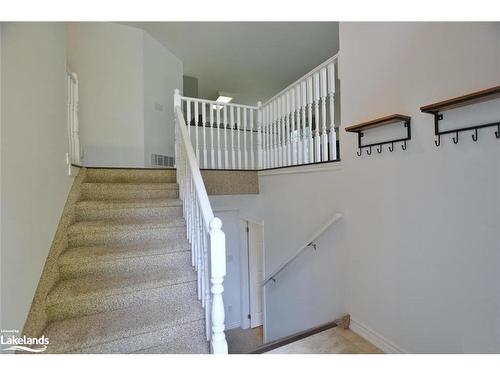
column 438, row 141
column 359, row 152
column 403, row 145
column 369, row 152
column 474, row 136
column 391, row 147
column 455, row 138
column 379, row 149
column 497, row 133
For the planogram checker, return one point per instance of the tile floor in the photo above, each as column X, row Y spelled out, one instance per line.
column 332, row 341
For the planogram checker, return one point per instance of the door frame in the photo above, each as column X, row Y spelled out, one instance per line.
column 244, row 273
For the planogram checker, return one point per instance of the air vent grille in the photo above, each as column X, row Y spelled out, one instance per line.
column 158, row 160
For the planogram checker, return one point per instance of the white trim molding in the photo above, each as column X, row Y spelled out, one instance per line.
column 301, row 169
column 375, row 338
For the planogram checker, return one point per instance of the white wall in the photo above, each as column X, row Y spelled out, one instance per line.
column 162, row 75
column 34, row 181
column 416, row 257
column 309, row 292
column 422, row 235
column 108, row 59
column 127, row 80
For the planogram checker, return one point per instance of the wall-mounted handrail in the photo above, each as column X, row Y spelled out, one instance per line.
column 308, row 243
column 203, row 231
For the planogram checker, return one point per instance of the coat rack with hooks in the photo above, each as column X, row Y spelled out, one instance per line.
column 387, row 120
column 436, row 109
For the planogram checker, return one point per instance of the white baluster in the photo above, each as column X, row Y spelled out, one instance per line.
column 331, row 94
column 317, row 153
column 204, row 121
column 231, row 116
column 280, row 125
column 245, row 152
column 212, row 149
column 309, row 113
column 277, row 133
column 238, row 115
column 300, row 157
column 208, row 306
column 219, row 147
column 260, row 151
column 303, row 106
column 218, row 271
column 226, row 163
column 286, row 134
column 324, row 136
column 269, row 136
column 188, row 116
column 293, row 126
column 252, row 153
column 196, row 121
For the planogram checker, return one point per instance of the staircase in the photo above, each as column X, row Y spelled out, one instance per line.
column 126, row 284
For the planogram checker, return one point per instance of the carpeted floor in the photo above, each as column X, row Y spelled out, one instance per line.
column 242, row 341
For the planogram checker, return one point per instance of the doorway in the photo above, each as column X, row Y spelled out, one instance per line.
column 251, row 333
column 252, row 275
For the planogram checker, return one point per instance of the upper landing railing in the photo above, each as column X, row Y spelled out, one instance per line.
column 294, row 127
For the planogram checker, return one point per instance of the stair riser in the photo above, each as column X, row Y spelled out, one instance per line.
column 107, row 302
column 118, row 237
column 83, row 214
column 186, row 338
column 103, row 266
column 110, row 175
column 90, row 193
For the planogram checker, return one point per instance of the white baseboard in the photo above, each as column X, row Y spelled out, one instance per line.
column 375, row 338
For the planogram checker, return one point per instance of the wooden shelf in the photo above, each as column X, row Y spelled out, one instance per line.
column 377, row 122
column 460, row 101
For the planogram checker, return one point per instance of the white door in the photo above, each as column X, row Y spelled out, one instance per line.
column 255, row 273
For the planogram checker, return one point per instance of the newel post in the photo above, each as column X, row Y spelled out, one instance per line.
column 259, row 135
column 218, row 271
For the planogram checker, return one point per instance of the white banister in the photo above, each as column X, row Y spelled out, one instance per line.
column 204, row 232
column 306, row 244
column 72, row 118
column 294, row 127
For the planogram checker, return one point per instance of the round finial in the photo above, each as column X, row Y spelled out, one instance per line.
column 176, row 92
column 216, row 223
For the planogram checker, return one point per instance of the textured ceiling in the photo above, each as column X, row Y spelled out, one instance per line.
column 254, row 60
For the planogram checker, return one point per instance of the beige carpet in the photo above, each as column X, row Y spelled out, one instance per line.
column 126, row 283
column 243, row 341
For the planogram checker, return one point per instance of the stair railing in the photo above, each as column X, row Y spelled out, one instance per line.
column 308, row 243
column 74, row 153
column 294, row 127
column 203, row 230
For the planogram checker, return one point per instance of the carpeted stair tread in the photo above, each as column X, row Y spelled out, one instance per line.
column 197, row 344
column 128, row 203
column 124, row 225
column 80, row 333
column 131, row 185
column 117, row 252
column 128, row 175
column 82, row 287
column 110, row 191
